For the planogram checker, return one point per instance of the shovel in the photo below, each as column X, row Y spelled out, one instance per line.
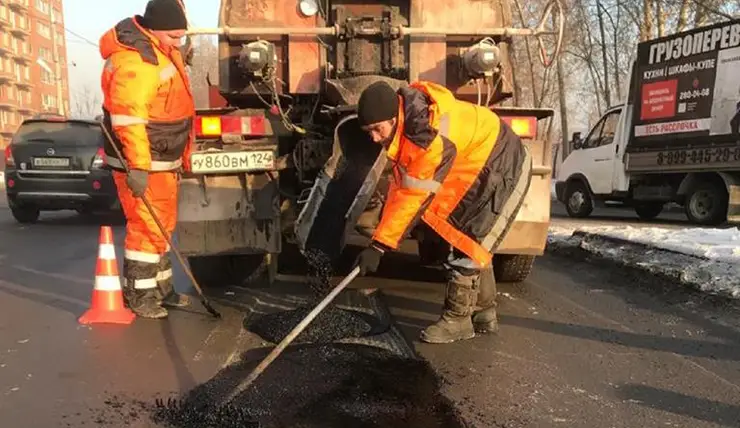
column 292, row 335
column 203, row 300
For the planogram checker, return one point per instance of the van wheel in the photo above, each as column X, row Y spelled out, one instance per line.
column 24, row 214
column 578, row 201
column 512, row 268
column 649, row 210
column 706, row 204
column 229, row 270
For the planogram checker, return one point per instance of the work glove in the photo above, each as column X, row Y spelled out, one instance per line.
column 137, row 181
column 369, row 259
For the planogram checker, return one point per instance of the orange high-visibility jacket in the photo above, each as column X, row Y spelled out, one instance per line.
column 148, row 104
column 454, row 165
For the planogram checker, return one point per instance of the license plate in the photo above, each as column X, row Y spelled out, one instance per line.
column 204, row 162
column 55, row 162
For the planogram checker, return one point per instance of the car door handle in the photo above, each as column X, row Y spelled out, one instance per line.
column 603, row 159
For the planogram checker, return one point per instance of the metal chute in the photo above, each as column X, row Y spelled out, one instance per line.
column 341, row 191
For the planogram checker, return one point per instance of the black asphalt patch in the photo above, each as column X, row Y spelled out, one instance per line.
column 330, row 325
column 320, row 386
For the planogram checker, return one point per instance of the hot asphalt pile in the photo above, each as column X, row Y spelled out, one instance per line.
column 330, row 325
column 320, row 386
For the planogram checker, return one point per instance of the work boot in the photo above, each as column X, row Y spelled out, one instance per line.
column 166, row 294
column 144, row 303
column 455, row 323
column 485, row 319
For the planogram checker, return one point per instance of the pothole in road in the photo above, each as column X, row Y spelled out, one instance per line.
column 339, row 385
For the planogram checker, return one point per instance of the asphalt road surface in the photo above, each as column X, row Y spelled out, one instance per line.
column 579, row 346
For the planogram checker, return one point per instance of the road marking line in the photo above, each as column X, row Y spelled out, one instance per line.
column 212, row 338
column 50, row 275
column 239, row 343
column 21, row 289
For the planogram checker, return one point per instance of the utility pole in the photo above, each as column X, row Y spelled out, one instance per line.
column 57, row 65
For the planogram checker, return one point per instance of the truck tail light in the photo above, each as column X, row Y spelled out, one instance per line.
column 523, row 126
column 9, row 161
column 216, row 126
column 99, row 159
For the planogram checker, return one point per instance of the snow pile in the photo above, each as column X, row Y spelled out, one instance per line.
column 708, row 259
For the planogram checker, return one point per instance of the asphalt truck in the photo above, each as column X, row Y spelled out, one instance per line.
column 279, row 157
column 674, row 140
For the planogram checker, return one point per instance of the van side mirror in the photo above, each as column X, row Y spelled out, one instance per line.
column 576, row 142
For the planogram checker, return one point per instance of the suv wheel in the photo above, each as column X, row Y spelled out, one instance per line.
column 25, row 214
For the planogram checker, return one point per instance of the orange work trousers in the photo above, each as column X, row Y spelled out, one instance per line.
column 146, row 257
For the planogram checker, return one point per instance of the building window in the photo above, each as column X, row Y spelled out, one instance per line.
column 42, row 6
column 45, row 53
column 43, row 29
column 47, row 77
column 57, row 14
column 48, row 101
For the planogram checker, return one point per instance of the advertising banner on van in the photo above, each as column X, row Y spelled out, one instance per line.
column 688, row 84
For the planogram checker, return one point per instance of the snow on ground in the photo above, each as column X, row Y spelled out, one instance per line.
column 708, row 259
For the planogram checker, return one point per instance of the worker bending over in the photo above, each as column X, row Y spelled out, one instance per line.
column 461, row 170
column 149, row 110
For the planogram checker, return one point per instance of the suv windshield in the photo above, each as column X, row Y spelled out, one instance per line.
column 62, row 133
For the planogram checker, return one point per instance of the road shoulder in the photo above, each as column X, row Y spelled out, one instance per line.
column 701, row 272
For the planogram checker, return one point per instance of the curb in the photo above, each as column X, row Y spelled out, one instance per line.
column 672, row 267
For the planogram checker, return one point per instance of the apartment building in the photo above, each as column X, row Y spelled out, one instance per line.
column 29, row 32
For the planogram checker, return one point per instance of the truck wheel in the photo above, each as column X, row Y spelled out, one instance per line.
column 512, row 268
column 578, row 200
column 228, row 270
column 649, row 210
column 707, row 204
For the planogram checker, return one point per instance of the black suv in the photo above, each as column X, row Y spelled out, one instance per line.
column 58, row 164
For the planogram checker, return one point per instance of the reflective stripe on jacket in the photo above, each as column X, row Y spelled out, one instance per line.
column 455, row 164
column 147, row 104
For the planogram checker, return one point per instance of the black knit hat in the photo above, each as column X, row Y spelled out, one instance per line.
column 378, row 102
column 164, row 15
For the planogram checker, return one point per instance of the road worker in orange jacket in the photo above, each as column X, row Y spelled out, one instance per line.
column 149, row 111
column 464, row 173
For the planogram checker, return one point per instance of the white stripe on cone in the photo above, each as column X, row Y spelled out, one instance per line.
column 107, row 283
column 107, row 252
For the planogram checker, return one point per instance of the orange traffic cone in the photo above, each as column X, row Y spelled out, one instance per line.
column 107, row 298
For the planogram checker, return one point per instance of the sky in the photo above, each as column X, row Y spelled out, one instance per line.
column 87, row 20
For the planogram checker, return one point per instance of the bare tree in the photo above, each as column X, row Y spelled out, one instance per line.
column 87, row 103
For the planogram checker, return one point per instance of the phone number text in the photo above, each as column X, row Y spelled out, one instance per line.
column 698, row 156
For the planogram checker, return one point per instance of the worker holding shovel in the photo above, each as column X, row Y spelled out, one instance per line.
column 463, row 172
column 148, row 114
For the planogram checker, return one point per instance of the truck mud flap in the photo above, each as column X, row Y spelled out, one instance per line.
column 341, row 191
